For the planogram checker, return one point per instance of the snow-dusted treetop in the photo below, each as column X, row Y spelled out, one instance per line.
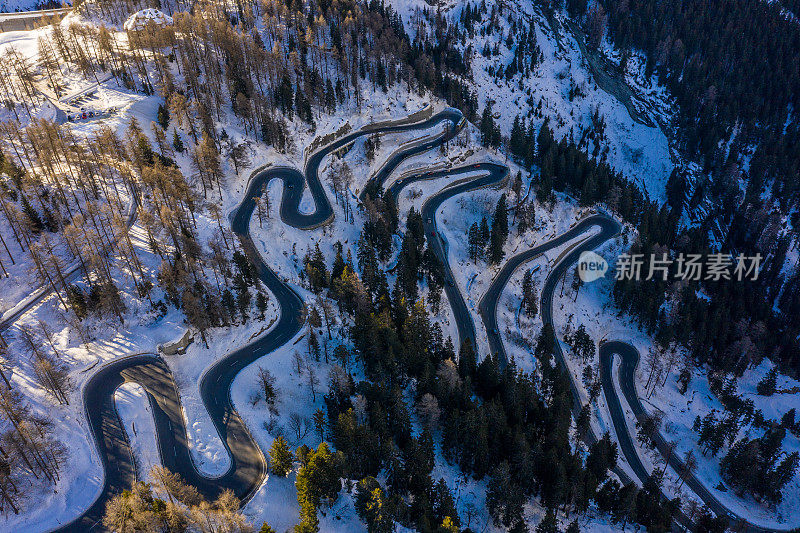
column 140, row 19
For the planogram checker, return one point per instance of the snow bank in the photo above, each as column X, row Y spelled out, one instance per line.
column 136, row 413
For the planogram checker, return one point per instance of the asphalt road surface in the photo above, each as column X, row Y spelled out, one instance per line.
column 478, row 175
column 248, row 466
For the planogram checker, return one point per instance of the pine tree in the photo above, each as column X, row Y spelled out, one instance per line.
column 372, row 506
column 474, row 243
column 338, row 262
column 487, row 127
column 504, row 499
column 316, row 270
column 516, row 187
column 318, row 479
column 549, row 523
column 243, row 301
column 281, row 457
column 576, row 8
column 496, row 241
column 545, row 140
column 34, row 219
column 500, row 219
column 262, row 304
column 529, row 299
column 484, row 234
column 467, row 364
column 768, row 384
column 517, row 142
column 319, row 423
column 163, row 116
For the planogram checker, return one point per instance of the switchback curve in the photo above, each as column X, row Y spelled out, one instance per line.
column 478, row 175
column 248, row 466
column 629, row 361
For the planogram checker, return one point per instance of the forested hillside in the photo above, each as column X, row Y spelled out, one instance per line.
column 733, row 68
column 133, row 136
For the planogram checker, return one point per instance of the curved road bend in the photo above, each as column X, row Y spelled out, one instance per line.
column 488, row 175
column 488, row 304
column 449, row 114
column 488, row 309
column 609, row 228
column 627, row 383
column 248, row 466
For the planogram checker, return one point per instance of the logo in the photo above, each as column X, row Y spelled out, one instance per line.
column 591, row 266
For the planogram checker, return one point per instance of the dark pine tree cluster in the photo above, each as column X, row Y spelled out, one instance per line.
column 493, row 421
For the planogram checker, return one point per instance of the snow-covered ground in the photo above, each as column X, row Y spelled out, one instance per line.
column 594, row 310
column 640, row 152
column 134, row 409
column 11, row 6
column 634, row 148
column 680, row 412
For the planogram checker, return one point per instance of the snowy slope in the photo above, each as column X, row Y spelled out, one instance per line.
column 640, row 152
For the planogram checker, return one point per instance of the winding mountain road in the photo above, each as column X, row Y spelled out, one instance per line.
column 469, row 178
column 248, row 466
column 491, row 174
column 629, row 361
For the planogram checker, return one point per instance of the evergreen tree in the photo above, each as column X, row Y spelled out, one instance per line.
column 163, row 116
column 261, row 304
column 496, row 241
column 517, row 141
column 500, row 219
column 549, row 523
column 504, row 499
column 752, row 466
column 474, row 243
column 34, row 219
column 467, row 364
column 280, row 457
column 318, row 479
column 769, row 383
column 652, row 511
column 576, row 8
column 316, row 270
column 177, row 142
column 372, row 506
column 529, row 299
column 337, row 269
